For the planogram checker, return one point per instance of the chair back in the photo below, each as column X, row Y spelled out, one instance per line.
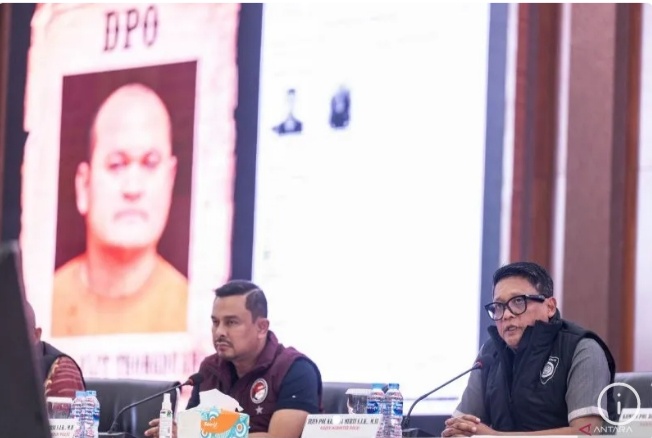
column 115, row 394
column 642, row 384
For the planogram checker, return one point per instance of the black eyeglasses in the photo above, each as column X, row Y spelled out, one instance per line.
column 517, row 305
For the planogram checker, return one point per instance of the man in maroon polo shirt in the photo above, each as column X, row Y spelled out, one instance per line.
column 277, row 386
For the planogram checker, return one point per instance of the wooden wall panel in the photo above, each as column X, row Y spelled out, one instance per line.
column 601, row 172
column 535, row 133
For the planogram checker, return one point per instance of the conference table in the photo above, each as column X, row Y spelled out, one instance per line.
column 424, row 426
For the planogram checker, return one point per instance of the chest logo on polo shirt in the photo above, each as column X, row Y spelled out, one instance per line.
column 549, row 369
column 258, row 391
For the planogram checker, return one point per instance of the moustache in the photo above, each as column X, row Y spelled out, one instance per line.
column 222, row 341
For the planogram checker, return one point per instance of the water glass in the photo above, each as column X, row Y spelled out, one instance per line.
column 356, row 400
column 58, row 407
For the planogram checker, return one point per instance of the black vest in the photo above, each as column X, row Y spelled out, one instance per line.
column 51, row 354
column 526, row 390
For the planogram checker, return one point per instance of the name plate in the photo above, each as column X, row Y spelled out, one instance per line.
column 341, row 426
column 644, row 415
column 634, row 423
column 62, row 428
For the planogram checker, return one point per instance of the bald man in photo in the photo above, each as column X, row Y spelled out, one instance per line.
column 124, row 191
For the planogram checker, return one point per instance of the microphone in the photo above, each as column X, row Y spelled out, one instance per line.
column 195, row 379
column 483, row 362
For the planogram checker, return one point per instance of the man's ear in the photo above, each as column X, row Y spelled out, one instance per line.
column 262, row 324
column 37, row 333
column 173, row 167
column 552, row 307
column 81, row 187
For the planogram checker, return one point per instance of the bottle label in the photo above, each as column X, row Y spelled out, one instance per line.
column 373, row 407
column 397, row 408
column 165, row 425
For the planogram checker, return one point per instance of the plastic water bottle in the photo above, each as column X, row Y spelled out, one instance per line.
column 77, row 412
column 165, row 421
column 376, row 405
column 87, row 409
column 394, row 400
column 93, row 415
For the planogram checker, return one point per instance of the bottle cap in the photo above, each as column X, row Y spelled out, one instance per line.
column 167, row 404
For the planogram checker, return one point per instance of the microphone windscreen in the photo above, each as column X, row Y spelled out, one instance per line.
column 485, row 361
column 195, row 379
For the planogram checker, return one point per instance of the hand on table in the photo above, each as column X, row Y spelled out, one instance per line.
column 153, row 430
column 466, row 425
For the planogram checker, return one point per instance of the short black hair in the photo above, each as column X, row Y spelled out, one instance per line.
column 256, row 303
column 535, row 274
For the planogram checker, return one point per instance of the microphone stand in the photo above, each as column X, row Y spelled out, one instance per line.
column 112, row 430
column 407, row 432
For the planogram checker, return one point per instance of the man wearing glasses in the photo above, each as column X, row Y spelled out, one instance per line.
column 545, row 374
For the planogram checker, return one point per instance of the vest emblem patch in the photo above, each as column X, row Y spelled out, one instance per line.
column 258, row 391
column 549, row 369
